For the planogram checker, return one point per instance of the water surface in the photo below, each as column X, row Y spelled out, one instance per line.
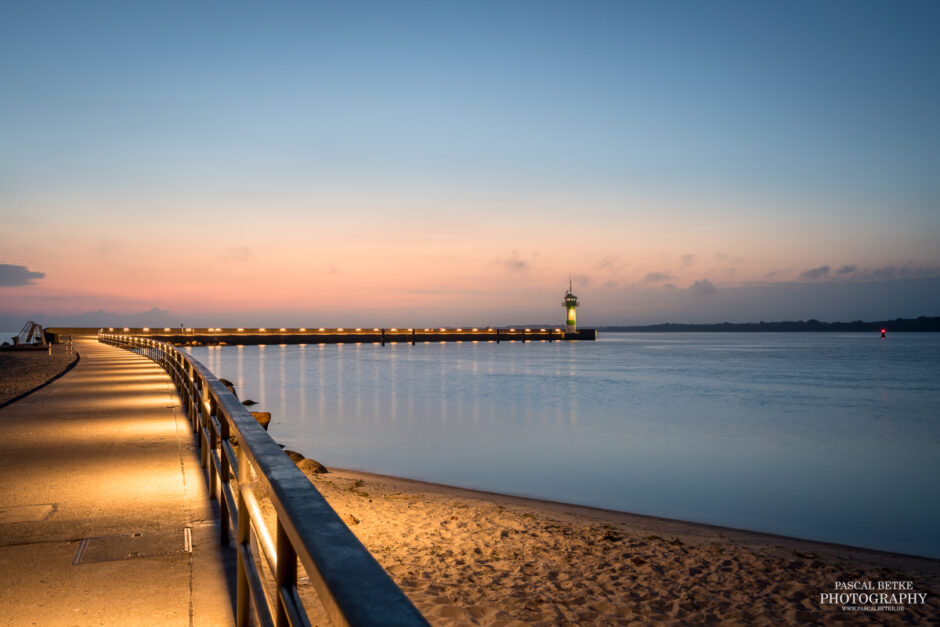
column 831, row 437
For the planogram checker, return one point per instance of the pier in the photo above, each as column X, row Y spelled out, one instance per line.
column 105, row 516
column 132, row 494
column 260, row 335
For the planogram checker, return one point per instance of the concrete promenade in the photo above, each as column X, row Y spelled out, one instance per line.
column 105, row 517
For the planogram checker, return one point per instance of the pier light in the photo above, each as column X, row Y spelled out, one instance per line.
column 283, row 329
column 189, row 329
column 262, row 329
column 443, row 329
column 375, row 329
column 410, row 330
column 512, row 329
column 110, row 328
column 146, row 329
column 303, row 330
column 240, row 330
column 126, row 329
column 475, row 329
column 394, row 330
column 358, row 329
column 340, row 329
column 459, row 330
column 558, row 330
column 527, row 330
column 322, row 329
column 166, row 329
column 541, row 329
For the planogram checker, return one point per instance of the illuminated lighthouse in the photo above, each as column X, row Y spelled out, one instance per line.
column 570, row 304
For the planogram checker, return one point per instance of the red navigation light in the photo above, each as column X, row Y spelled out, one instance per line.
column 882, row 330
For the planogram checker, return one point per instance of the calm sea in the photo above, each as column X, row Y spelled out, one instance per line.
column 832, row 437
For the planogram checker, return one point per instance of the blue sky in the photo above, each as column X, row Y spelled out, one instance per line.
column 743, row 144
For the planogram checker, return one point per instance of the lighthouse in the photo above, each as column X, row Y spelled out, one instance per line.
column 570, row 304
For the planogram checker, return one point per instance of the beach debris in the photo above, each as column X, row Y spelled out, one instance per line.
column 263, row 418
column 312, row 466
column 294, row 455
column 351, row 520
column 248, row 402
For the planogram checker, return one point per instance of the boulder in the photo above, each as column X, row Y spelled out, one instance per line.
column 311, row 466
column 263, row 418
column 294, row 455
column 229, row 385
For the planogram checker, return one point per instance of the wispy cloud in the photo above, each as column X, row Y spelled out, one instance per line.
column 687, row 260
column 514, row 263
column 16, row 276
column 658, row 277
column 236, row 253
column 815, row 273
column 607, row 263
column 849, row 269
column 702, row 287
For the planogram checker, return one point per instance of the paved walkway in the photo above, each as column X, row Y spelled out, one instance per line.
column 101, row 497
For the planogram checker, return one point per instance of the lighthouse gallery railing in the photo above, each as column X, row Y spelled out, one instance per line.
column 236, row 452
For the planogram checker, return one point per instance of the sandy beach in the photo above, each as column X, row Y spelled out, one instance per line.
column 467, row 557
column 22, row 371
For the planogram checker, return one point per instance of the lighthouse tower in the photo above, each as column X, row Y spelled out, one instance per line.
column 570, row 304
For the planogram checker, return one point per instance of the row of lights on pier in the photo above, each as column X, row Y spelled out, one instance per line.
column 304, row 330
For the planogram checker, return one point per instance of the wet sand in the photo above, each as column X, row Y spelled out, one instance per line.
column 467, row 557
column 23, row 371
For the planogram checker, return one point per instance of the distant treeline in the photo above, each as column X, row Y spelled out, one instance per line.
column 921, row 324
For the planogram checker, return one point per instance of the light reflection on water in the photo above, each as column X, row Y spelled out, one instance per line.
column 826, row 436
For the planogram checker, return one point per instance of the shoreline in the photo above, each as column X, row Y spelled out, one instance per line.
column 472, row 557
column 931, row 564
column 24, row 372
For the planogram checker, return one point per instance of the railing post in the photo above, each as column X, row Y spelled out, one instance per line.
column 286, row 575
column 242, row 594
column 224, row 514
column 214, row 489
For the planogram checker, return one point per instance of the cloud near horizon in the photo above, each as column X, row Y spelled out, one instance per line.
column 17, row 276
column 702, row 287
column 815, row 273
column 658, row 277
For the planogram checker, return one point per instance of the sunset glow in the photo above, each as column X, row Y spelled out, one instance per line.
column 418, row 165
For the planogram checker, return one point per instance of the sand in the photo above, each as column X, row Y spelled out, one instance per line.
column 23, row 371
column 466, row 557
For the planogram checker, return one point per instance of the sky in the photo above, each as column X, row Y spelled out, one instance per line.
column 457, row 163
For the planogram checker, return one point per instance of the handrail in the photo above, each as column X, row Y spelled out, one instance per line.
column 352, row 586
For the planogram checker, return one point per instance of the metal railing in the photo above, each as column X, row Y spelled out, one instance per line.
column 239, row 455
